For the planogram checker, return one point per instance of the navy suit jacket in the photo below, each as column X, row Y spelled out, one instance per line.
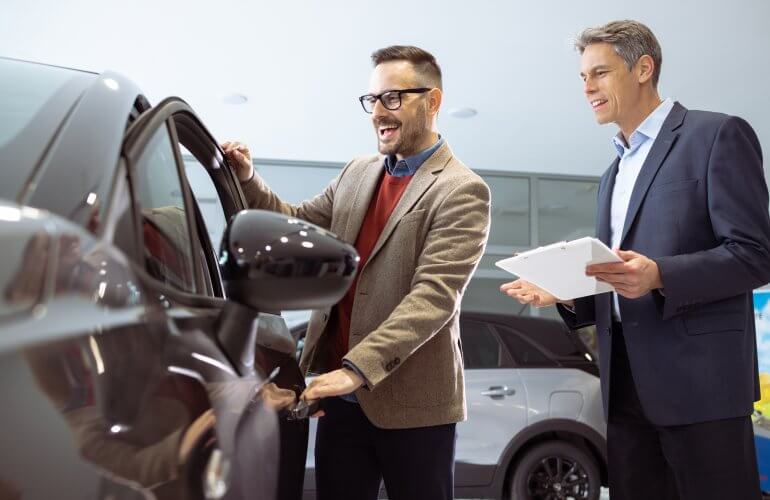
column 699, row 209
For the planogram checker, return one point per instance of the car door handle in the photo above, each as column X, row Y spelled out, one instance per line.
column 498, row 392
column 304, row 409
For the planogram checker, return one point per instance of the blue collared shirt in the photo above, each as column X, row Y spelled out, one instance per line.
column 408, row 166
column 632, row 157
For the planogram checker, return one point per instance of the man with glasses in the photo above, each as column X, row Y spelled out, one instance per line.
column 389, row 352
column 686, row 206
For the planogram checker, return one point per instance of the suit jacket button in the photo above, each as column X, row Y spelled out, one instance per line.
column 396, row 361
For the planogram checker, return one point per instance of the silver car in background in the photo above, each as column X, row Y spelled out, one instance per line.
column 535, row 427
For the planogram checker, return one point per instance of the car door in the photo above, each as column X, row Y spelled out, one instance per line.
column 497, row 404
column 557, row 386
column 108, row 392
column 210, row 191
column 88, row 405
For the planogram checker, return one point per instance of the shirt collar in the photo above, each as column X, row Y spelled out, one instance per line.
column 648, row 129
column 408, row 166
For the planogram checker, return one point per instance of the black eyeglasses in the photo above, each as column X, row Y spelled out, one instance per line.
column 390, row 99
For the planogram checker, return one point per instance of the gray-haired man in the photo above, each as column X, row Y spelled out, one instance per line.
column 687, row 203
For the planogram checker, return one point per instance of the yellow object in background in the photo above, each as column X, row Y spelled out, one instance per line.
column 763, row 405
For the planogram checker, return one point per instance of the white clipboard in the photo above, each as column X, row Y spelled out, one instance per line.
column 560, row 268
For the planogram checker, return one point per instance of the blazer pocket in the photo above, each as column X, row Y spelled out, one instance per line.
column 701, row 324
column 412, row 217
column 426, row 379
column 673, row 187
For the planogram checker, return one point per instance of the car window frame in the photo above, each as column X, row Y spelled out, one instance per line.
column 134, row 146
column 136, row 136
column 505, row 360
column 193, row 135
column 553, row 363
column 121, row 192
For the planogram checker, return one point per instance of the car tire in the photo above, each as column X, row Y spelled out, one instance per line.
column 555, row 470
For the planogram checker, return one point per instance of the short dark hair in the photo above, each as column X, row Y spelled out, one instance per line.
column 630, row 39
column 423, row 61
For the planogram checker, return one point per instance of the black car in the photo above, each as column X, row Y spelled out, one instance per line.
column 140, row 353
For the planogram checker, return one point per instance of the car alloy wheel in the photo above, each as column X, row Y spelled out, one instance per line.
column 559, row 478
column 555, row 470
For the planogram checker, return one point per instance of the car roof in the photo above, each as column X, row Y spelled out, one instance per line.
column 66, row 153
column 36, row 99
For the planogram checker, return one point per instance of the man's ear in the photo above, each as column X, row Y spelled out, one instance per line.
column 645, row 68
column 435, row 97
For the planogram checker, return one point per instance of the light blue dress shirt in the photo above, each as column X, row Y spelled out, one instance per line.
column 408, row 166
column 632, row 157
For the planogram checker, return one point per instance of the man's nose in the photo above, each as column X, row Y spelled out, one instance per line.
column 588, row 86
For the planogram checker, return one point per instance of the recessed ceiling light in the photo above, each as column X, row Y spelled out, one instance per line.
column 463, row 112
column 235, row 98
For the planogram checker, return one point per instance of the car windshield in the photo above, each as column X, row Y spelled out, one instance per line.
column 34, row 100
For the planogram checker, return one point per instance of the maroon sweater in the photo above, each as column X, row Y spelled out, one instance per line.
column 382, row 205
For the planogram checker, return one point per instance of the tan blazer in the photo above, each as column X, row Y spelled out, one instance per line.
column 404, row 331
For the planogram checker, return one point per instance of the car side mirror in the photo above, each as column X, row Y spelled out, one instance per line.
column 272, row 262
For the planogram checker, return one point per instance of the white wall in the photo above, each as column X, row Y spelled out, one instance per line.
column 302, row 63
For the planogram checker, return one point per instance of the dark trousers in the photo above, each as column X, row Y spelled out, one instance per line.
column 712, row 460
column 352, row 456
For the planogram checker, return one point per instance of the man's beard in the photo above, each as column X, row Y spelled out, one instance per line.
column 410, row 136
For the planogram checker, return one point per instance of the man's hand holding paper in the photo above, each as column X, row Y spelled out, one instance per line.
column 636, row 276
column 560, row 268
column 632, row 278
column 527, row 293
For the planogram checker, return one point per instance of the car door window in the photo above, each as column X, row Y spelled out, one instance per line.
column 166, row 234
column 480, row 346
column 523, row 352
column 205, row 193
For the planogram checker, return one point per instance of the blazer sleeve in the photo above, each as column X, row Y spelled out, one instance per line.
column 738, row 209
column 583, row 314
column 317, row 210
column 453, row 248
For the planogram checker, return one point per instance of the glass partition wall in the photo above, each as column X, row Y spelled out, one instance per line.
column 528, row 210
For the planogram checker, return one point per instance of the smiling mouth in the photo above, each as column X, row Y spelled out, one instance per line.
column 597, row 103
column 385, row 132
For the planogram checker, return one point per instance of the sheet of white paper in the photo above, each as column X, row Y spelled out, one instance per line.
column 560, row 268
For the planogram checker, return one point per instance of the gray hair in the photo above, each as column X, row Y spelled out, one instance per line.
column 630, row 39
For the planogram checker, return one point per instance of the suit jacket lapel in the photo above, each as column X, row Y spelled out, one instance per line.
column 658, row 153
column 422, row 180
column 363, row 197
column 605, row 204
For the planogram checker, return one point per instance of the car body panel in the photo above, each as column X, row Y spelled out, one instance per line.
column 39, row 98
column 117, row 384
column 563, row 393
column 481, row 439
column 80, row 181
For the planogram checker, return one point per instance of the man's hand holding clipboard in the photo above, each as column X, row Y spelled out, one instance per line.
column 567, row 270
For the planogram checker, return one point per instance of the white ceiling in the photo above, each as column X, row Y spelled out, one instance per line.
column 303, row 63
